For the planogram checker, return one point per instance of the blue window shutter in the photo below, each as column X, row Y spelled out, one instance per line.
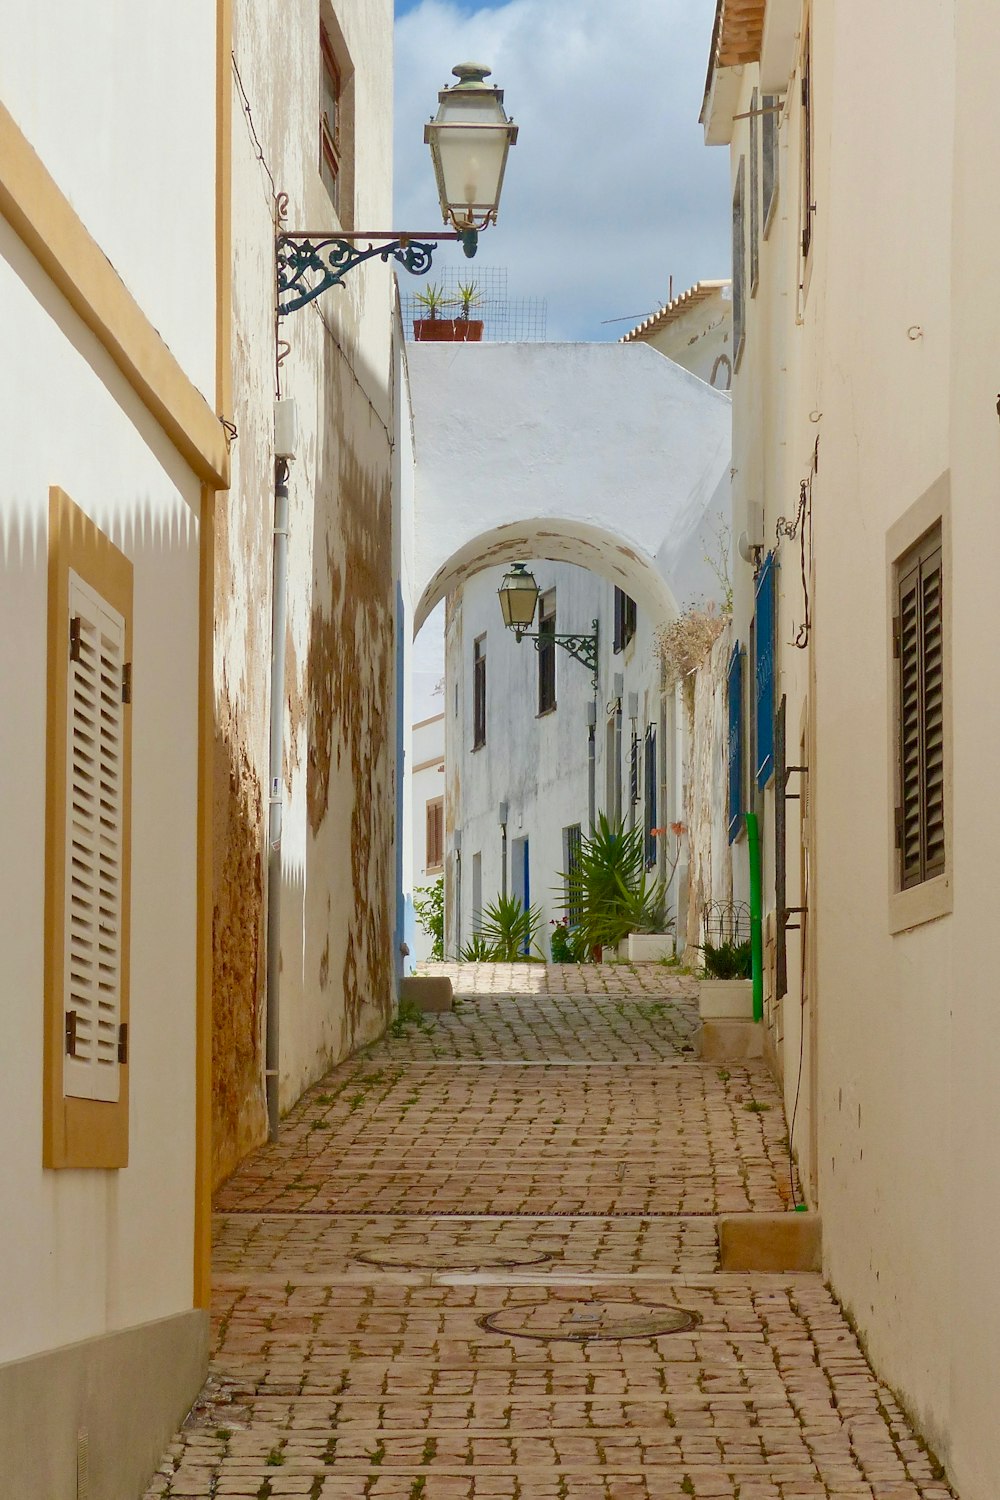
column 764, row 669
column 735, row 705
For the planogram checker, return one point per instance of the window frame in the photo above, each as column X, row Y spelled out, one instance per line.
column 479, row 690
column 754, row 123
column 808, row 184
column 739, row 264
column 80, row 1132
column 434, row 819
column 770, row 151
column 920, row 531
column 626, row 616
column 650, row 785
column 546, row 696
column 330, row 144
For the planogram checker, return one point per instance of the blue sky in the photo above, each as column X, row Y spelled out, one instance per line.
column 610, row 189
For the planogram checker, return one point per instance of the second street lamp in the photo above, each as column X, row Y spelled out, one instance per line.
column 469, row 138
column 518, row 595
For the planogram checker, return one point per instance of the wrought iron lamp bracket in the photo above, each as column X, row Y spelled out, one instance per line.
column 582, row 648
column 309, row 264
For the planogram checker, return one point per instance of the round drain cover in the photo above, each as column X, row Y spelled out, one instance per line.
column 450, row 1258
column 581, row 1321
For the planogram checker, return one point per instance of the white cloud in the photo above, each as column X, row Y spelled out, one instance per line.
column 610, row 188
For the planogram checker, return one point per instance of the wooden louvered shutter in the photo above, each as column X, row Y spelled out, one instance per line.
column 919, row 628
column 94, row 845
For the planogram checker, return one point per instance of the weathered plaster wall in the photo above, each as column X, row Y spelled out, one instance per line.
column 537, row 763
column 883, row 347
column 607, row 456
column 338, row 881
column 702, row 698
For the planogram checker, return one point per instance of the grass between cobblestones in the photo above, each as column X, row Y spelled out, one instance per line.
column 551, row 1147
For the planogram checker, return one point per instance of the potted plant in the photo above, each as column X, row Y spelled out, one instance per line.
column 726, row 992
column 436, row 329
column 432, row 299
column 468, row 298
column 611, row 891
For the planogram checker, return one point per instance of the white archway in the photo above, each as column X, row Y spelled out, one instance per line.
column 609, row 456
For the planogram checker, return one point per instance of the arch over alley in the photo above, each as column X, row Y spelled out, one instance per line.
column 605, row 455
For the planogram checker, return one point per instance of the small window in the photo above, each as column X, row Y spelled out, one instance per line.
column 808, row 206
column 769, row 157
column 754, row 190
column 330, row 117
column 572, row 842
column 88, row 839
column 764, row 668
column 625, row 619
column 547, row 653
column 739, row 262
column 479, row 693
column 435, row 835
column 650, row 772
column 477, row 893
column 734, row 698
column 918, row 631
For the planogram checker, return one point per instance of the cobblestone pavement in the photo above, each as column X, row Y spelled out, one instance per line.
column 455, row 1275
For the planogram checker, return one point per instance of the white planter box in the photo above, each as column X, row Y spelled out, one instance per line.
column 647, row 947
column 725, row 999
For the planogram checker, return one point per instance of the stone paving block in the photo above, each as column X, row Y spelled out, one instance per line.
column 550, row 1145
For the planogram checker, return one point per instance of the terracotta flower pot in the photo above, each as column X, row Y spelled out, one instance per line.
column 448, row 330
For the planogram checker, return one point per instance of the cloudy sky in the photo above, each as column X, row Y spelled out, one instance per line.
column 610, row 188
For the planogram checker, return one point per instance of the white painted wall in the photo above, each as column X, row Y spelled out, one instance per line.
column 120, row 105
column 427, row 781
column 887, row 355
column 86, row 1252
column 607, row 456
column 538, row 763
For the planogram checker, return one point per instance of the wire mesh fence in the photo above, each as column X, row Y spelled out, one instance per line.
column 505, row 320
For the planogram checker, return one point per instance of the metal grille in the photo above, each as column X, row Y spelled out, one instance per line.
column 94, row 818
column 505, row 320
column 919, row 643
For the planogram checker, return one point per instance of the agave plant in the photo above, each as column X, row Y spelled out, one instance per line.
column 476, row 951
column 468, row 297
column 610, row 889
column 432, row 298
column 510, row 929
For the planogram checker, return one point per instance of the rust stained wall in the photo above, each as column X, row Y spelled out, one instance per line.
column 350, row 671
column 239, row 1116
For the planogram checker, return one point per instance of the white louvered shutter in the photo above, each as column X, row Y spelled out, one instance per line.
column 94, row 808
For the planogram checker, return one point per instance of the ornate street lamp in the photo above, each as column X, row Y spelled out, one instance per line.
column 469, row 139
column 518, row 594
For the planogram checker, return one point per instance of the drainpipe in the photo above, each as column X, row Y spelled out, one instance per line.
column 619, row 689
column 458, row 891
column 592, row 762
column 756, row 939
column 279, row 615
column 504, row 813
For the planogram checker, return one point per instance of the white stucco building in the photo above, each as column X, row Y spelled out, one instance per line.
column 694, row 329
column 520, row 724
column 865, row 455
column 110, row 393
column 426, row 794
column 608, row 464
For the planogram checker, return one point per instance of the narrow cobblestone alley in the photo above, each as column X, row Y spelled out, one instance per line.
column 460, row 1271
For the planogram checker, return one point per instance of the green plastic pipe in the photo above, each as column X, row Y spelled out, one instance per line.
column 756, row 937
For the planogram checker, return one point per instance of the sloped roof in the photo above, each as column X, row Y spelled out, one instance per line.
column 700, row 292
column 736, row 37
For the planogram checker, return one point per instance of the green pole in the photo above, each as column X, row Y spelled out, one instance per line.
column 756, row 939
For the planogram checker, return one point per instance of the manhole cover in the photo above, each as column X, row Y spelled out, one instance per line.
column 580, row 1321
column 431, row 1258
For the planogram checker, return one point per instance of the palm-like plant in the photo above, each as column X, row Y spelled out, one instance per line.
column 510, row 929
column 610, row 888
